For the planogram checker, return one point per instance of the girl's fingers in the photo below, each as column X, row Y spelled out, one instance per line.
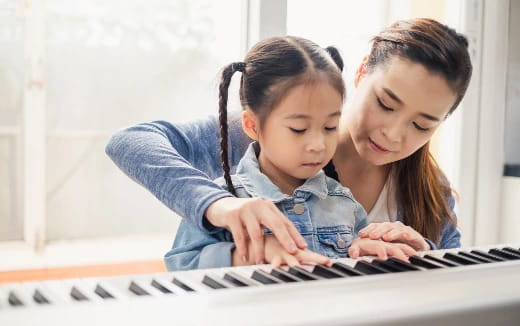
column 291, row 260
column 406, row 249
column 353, row 251
column 397, row 253
column 276, row 261
column 307, row 256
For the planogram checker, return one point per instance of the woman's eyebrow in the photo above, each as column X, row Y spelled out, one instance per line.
column 398, row 100
column 392, row 95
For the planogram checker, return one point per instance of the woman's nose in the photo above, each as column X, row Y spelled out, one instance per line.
column 394, row 132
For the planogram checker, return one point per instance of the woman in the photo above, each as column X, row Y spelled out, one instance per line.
column 414, row 77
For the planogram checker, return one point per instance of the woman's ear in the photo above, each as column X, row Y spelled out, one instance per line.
column 361, row 71
column 250, row 124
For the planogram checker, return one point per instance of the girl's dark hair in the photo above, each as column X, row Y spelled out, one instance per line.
column 421, row 187
column 270, row 69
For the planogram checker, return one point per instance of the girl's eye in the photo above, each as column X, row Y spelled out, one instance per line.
column 419, row 127
column 298, row 131
column 330, row 128
column 384, row 107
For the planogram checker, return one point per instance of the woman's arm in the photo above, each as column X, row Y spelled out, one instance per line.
column 177, row 163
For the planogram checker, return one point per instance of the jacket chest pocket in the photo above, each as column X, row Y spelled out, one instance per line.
column 334, row 242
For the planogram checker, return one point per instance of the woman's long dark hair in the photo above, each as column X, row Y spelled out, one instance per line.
column 421, row 187
column 271, row 68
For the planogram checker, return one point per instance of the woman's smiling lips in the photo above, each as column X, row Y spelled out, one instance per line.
column 378, row 148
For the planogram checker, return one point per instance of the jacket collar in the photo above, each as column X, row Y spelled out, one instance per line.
column 258, row 184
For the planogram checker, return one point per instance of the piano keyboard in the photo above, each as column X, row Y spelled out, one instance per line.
column 477, row 286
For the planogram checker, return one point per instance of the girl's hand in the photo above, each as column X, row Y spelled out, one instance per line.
column 395, row 232
column 276, row 255
column 245, row 218
column 381, row 249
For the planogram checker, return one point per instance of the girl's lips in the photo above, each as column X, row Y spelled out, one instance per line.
column 378, row 148
column 312, row 164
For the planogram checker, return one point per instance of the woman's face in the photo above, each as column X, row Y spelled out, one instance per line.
column 396, row 109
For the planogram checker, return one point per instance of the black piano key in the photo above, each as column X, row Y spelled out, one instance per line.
column 102, row 292
column 285, row 276
column 419, row 261
column 215, row 282
column 181, row 284
column 475, row 257
column 238, row 279
column 136, row 289
column 303, row 274
column 487, row 255
column 441, row 261
column 77, row 294
column 160, row 287
column 327, row 272
column 39, row 298
column 387, row 265
column 460, row 259
column 512, row 250
column 403, row 264
column 368, row 268
column 14, row 300
column 264, row 277
column 504, row 254
column 346, row 269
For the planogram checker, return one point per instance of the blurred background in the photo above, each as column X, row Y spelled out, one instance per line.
column 74, row 72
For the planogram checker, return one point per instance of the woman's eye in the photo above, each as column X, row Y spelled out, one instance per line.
column 298, row 131
column 384, row 107
column 419, row 127
column 330, row 128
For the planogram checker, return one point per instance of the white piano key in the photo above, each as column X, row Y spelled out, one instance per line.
column 193, row 279
column 165, row 282
column 24, row 292
column 53, row 292
column 85, row 287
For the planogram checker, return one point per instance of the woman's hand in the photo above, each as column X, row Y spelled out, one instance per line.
column 245, row 219
column 381, row 249
column 276, row 255
column 395, row 232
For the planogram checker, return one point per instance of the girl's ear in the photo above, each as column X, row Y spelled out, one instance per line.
column 250, row 124
column 361, row 71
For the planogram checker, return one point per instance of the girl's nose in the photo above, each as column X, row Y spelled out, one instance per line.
column 316, row 143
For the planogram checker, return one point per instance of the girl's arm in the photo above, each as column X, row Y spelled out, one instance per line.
column 177, row 163
column 194, row 249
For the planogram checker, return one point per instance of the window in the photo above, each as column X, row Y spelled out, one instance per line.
column 99, row 66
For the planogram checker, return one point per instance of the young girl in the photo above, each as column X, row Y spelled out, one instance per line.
column 292, row 92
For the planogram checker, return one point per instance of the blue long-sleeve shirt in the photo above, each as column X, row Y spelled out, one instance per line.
column 177, row 163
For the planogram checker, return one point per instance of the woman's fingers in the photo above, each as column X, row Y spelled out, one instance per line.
column 256, row 237
column 239, row 236
column 363, row 233
column 283, row 229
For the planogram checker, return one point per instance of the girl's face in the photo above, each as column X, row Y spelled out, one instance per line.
column 396, row 110
column 299, row 136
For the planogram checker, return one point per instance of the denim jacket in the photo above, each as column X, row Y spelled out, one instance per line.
column 177, row 163
column 322, row 210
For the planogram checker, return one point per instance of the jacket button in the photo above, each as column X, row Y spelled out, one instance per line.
column 299, row 209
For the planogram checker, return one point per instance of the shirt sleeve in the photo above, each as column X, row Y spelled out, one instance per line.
column 196, row 249
column 177, row 162
column 450, row 235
